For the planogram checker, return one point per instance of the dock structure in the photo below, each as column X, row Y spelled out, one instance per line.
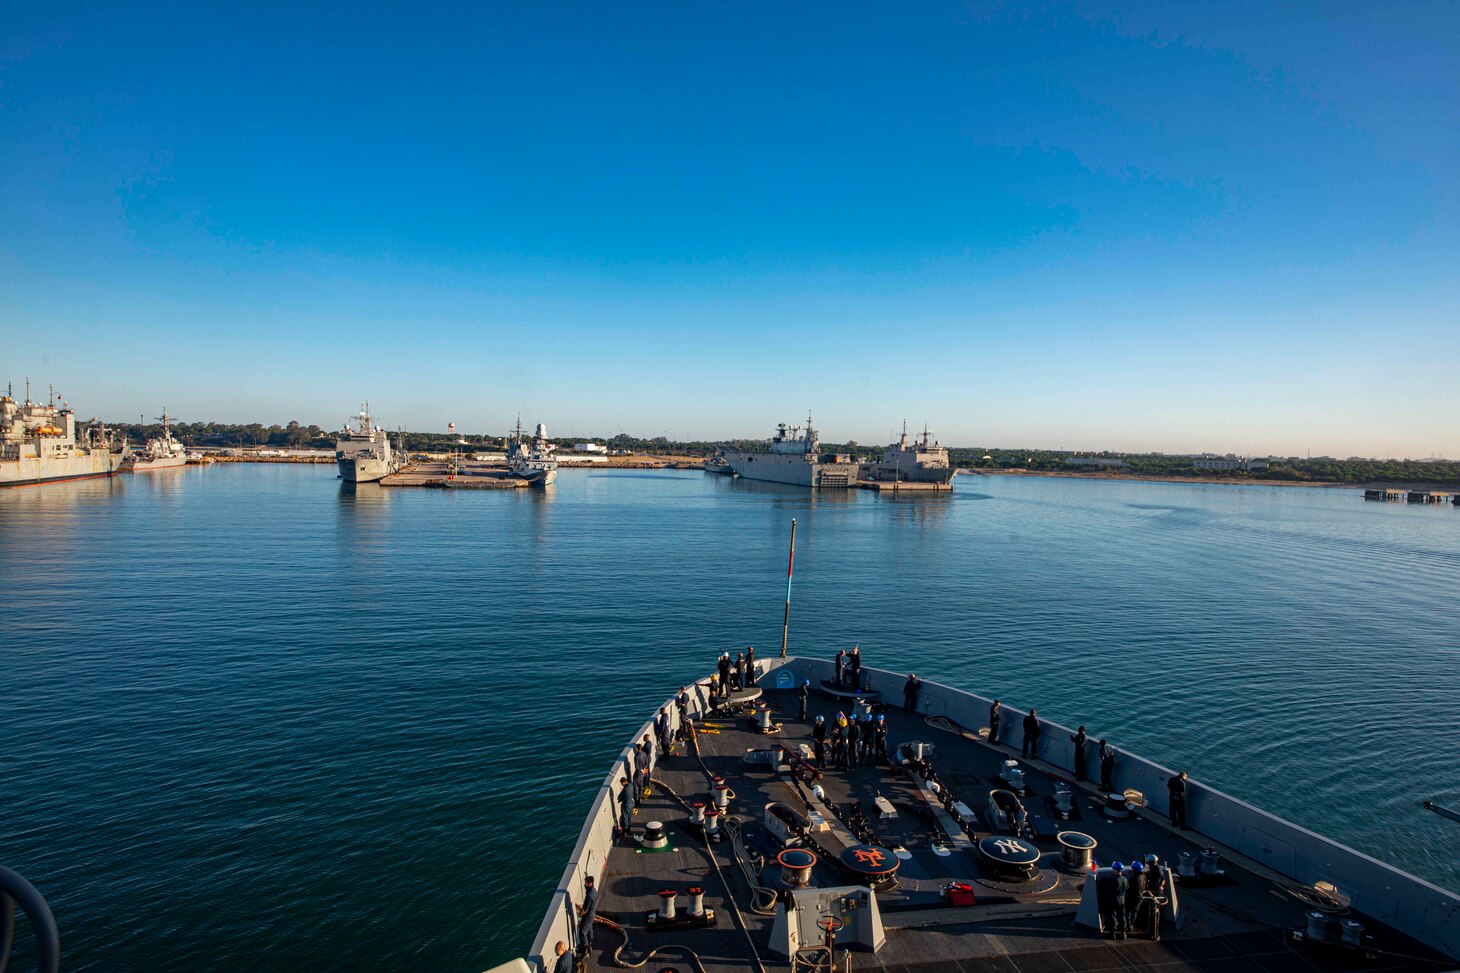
column 929, row 872
column 904, row 486
column 1400, row 495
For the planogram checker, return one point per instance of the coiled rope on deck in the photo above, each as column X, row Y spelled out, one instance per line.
column 763, row 899
column 949, row 726
column 617, row 954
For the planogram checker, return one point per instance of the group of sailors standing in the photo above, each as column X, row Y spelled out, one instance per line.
column 1029, row 749
column 852, row 742
column 730, row 676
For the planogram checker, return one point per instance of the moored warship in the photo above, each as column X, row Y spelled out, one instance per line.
column 922, row 462
column 161, row 453
column 794, row 457
column 363, row 453
column 39, row 444
column 716, row 464
column 532, row 459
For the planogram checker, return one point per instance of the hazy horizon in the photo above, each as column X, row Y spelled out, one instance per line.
column 1194, row 228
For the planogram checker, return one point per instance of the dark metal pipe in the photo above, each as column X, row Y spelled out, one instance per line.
column 1443, row 812
column 47, row 936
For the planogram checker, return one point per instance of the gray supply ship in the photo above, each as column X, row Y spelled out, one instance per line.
column 163, row 453
column 922, row 462
column 363, row 453
column 40, row 444
column 532, row 460
column 794, row 457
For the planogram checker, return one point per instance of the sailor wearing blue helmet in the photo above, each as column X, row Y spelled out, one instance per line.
column 1137, row 880
column 1122, row 890
column 805, row 694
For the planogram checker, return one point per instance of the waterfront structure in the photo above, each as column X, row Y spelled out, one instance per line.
column 919, row 462
column 1102, row 462
column 597, row 448
column 39, row 444
column 1211, row 461
column 794, row 457
column 161, row 453
column 364, row 453
column 532, row 460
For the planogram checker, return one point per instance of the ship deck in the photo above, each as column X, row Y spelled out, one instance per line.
column 1243, row 925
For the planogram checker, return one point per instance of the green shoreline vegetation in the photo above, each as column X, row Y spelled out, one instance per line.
column 1290, row 469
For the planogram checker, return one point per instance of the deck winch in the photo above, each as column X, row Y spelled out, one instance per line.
column 796, row 865
column 1077, row 851
column 1009, row 859
column 654, row 836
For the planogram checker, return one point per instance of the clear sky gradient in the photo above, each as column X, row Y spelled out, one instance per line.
column 1166, row 226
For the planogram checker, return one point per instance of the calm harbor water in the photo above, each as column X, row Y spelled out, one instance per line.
column 255, row 720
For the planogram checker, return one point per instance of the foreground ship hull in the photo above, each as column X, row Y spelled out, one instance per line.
column 34, row 471
column 364, row 469
column 790, row 469
column 1249, row 912
column 137, row 465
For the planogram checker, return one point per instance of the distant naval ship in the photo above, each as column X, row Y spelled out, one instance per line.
column 921, row 461
column 38, row 444
column 162, row 453
column 532, row 460
column 363, row 453
column 793, row 457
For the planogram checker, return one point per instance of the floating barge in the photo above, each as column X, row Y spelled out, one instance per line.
column 441, row 476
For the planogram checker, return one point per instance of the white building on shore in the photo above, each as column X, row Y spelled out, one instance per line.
column 1211, row 461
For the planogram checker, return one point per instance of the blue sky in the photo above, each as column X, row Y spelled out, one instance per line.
column 1159, row 226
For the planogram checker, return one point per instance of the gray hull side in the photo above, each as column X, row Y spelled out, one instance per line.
column 363, row 469
column 148, row 465
column 33, row 471
column 792, row 470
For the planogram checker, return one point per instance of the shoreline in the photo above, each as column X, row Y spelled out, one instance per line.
column 1220, row 480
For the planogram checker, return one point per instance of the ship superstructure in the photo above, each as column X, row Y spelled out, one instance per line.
column 532, row 460
column 363, row 453
column 922, row 461
column 794, row 457
column 162, row 453
column 40, row 444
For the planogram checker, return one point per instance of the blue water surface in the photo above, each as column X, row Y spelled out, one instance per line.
column 252, row 719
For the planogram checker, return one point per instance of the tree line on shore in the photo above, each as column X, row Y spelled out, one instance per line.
column 1323, row 469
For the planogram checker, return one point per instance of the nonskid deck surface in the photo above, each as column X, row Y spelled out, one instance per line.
column 1239, row 926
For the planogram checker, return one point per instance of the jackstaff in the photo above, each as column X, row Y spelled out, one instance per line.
column 790, row 567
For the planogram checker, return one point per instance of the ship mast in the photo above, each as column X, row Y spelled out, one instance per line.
column 790, row 567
